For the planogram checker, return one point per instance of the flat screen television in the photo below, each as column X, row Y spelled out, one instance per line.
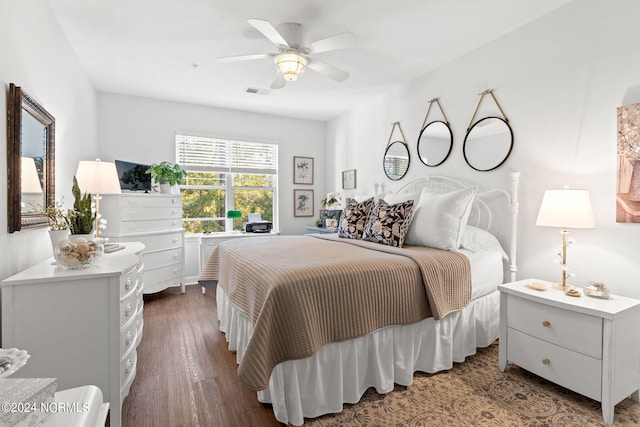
column 132, row 176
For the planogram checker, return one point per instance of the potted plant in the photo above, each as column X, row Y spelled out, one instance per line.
column 58, row 223
column 80, row 218
column 167, row 174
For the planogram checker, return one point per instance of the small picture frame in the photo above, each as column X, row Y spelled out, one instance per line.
column 302, row 202
column 349, row 179
column 302, row 170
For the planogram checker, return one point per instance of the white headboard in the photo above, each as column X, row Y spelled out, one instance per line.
column 491, row 210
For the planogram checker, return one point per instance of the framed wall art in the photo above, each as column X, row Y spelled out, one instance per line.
column 349, row 179
column 302, row 202
column 302, row 170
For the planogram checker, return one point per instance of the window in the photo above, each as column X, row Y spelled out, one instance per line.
column 225, row 175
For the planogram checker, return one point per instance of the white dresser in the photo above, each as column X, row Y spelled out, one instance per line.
column 588, row 345
column 156, row 220
column 80, row 326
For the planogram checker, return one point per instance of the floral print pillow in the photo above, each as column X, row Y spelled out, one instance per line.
column 354, row 219
column 388, row 224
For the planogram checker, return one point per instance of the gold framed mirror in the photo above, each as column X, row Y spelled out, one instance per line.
column 30, row 161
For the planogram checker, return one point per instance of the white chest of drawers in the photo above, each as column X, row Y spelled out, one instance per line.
column 588, row 345
column 79, row 326
column 155, row 220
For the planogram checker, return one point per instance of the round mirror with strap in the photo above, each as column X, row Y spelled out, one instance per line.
column 396, row 156
column 436, row 139
column 489, row 141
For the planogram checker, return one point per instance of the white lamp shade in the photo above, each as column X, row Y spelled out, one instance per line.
column 29, row 180
column 566, row 209
column 97, row 177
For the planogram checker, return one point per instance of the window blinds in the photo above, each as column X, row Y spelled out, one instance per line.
column 198, row 153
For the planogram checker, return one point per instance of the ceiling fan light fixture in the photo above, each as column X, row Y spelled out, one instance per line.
column 290, row 64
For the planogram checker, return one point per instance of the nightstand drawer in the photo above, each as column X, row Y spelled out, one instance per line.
column 151, row 225
column 567, row 368
column 143, row 214
column 569, row 329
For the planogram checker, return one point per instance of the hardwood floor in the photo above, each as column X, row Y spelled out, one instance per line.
column 186, row 376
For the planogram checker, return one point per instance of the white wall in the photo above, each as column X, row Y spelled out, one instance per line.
column 559, row 81
column 143, row 130
column 37, row 56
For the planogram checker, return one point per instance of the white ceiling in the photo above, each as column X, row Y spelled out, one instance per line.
column 148, row 48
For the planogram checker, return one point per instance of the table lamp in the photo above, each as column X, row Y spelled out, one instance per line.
column 566, row 209
column 97, row 177
column 233, row 215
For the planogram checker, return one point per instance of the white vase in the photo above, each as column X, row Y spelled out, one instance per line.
column 88, row 237
column 56, row 237
column 169, row 189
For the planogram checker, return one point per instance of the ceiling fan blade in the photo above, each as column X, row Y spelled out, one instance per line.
column 245, row 57
column 339, row 41
column 268, row 31
column 328, row 70
column 278, row 81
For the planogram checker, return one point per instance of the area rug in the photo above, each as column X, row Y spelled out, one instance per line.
column 476, row 393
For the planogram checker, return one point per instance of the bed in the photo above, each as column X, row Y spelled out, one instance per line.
column 303, row 365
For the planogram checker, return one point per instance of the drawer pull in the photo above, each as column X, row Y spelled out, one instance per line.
column 175, row 240
column 129, row 339
column 173, row 201
column 128, row 310
column 128, row 367
column 176, row 270
column 128, row 284
column 546, row 323
column 175, row 256
column 175, row 211
column 546, row 361
column 174, row 223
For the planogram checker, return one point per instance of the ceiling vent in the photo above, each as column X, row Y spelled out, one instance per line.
column 258, row 91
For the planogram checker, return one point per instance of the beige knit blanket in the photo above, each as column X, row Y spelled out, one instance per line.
column 302, row 292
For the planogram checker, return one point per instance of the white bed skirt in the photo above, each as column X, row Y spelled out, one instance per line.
column 341, row 372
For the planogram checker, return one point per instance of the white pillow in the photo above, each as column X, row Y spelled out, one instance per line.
column 440, row 219
column 476, row 239
column 395, row 198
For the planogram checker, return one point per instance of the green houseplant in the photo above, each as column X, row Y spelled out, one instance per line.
column 166, row 173
column 80, row 218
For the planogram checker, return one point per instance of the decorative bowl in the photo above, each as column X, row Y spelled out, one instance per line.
column 78, row 253
column 596, row 290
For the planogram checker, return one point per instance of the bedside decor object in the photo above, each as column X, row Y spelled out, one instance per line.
column 12, row 359
column 489, row 141
column 302, row 170
column 349, row 179
column 396, row 158
column 97, row 177
column 596, row 290
column 566, row 209
column 303, row 202
column 168, row 175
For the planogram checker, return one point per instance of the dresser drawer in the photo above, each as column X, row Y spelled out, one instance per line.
column 567, row 368
column 147, row 213
column 163, row 274
column 160, row 241
column 569, row 329
column 149, row 201
column 128, row 337
column 128, row 366
column 128, row 307
column 151, row 225
column 128, row 282
column 164, row 257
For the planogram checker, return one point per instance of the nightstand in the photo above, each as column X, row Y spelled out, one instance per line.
column 588, row 345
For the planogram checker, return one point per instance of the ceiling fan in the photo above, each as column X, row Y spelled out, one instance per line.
column 294, row 53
